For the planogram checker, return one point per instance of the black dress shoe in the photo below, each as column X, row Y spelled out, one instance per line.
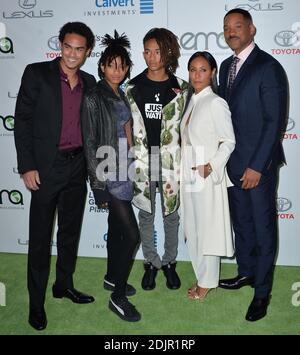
column 148, row 281
column 236, row 282
column 110, row 286
column 74, row 295
column 37, row 319
column 173, row 280
column 257, row 309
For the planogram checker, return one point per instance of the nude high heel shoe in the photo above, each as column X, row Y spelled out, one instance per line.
column 199, row 293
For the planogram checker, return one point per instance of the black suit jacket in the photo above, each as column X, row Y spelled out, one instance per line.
column 38, row 116
column 258, row 104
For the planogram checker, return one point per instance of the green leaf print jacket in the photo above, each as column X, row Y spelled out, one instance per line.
column 169, row 146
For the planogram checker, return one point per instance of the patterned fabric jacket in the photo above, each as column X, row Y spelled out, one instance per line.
column 169, row 146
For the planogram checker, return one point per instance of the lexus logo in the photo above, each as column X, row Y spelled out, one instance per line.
column 286, row 38
column 283, row 204
column 27, row 4
column 53, row 43
column 291, row 124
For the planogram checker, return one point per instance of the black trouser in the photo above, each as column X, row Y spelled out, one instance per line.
column 122, row 241
column 63, row 189
column 254, row 220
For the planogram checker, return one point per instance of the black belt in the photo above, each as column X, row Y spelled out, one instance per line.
column 70, row 154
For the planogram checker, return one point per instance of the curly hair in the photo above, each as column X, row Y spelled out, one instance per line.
column 115, row 47
column 168, row 45
column 80, row 29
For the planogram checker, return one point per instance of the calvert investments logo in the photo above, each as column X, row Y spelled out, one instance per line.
column 146, row 7
column 102, row 243
column 155, row 237
column 256, row 5
column 11, row 199
column 290, row 130
column 27, row 9
column 121, row 8
column 284, row 206
column 7, row 125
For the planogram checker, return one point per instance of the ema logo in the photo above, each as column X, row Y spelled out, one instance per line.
column 8, row 123
column 6, row 46
column 14, row 197
column 191, row 41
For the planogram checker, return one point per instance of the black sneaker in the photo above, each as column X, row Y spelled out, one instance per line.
column 124, row 309
column 110, row 286
column 148, row 281
column 173, row 281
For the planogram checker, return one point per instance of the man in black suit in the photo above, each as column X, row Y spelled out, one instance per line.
column 255, row 86
column 50, row 159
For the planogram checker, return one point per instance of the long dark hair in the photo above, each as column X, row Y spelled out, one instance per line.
column 115, row 47
column 213, row 65
column 168, row 45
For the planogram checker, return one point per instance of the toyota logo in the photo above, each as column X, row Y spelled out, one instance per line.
column 291, row 124
column 53, row 43
column 27, row 4
column 283, row 204
column 286, row 38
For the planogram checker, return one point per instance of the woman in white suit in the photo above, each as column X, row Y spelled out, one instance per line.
column 207, row 142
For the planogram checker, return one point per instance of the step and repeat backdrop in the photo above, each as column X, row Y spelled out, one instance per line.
column 28, row 33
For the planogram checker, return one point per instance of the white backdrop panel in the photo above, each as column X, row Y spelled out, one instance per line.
column 28, row 33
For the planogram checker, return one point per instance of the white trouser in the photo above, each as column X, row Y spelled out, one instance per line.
column 206, row 267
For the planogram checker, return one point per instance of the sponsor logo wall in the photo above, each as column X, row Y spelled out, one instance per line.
column 28, row 33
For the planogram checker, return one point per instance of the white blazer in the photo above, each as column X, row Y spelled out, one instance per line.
column 210, row 128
